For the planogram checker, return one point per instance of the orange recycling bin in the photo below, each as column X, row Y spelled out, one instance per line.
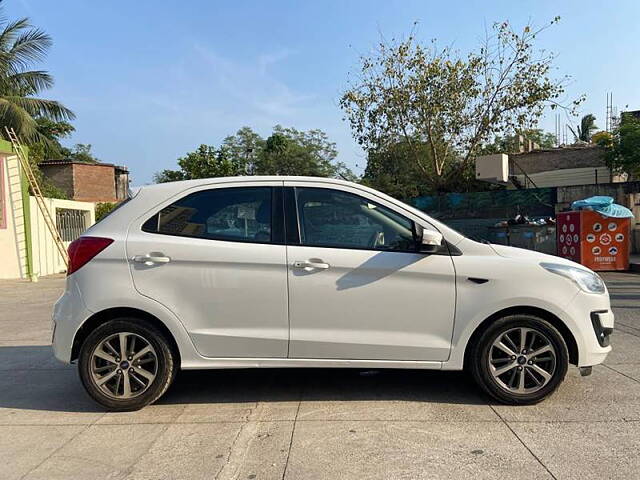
column 595, row 241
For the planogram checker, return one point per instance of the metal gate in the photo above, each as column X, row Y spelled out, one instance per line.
column 70, row 223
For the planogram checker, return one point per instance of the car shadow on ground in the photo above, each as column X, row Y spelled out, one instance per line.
column 315, row 384
column 32, row 379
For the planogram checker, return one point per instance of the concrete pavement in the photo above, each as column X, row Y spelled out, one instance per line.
column 311, row 424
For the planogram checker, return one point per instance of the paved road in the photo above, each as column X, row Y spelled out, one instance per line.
column 311, row 424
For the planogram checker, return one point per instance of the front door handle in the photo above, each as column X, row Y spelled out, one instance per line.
column 309, row 265
column 152, row 258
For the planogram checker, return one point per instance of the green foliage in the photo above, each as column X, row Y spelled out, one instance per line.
column 207, row 161
column 287, row 151
column 393, row 170
column 511, row 143
column 246, row 146
column 601, row 138
column 622, row 147
column 80, row 152
column 586, row 127
column 39, row 123
column 22, row 46
column 48, row 189
column 421, row 95
column 103, row 209
column 53, row 132
column 43, row 150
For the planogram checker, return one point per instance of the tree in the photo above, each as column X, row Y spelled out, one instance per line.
column 245, row 146
column 601, row 138
column 416, row 94
column 104, row 209
column 21, row 46
column 287, row 151
column 207, row 161
column 587, row 125
column 39, row 151
column 51, row 147
column 81, row 152
column 54, row 131
column 392, row 170
column 622, row 146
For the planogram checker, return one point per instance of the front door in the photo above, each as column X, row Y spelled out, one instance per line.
column 216, row 258
column 358, row 289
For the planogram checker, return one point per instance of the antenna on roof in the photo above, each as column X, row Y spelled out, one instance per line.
column 610, row 113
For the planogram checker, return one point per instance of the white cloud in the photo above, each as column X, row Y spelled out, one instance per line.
column 251, row 86
column 267, row 59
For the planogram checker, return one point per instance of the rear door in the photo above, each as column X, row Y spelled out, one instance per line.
column 358, row 289
column 215, row 256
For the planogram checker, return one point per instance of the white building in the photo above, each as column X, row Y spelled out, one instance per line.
column 27, row 248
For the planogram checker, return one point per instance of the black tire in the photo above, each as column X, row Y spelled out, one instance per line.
column 164, row 373
column 480, row 369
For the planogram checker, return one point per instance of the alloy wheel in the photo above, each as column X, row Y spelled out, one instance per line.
column 124, row 365
column 522, row 360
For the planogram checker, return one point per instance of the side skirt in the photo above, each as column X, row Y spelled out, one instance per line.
column 221, row 363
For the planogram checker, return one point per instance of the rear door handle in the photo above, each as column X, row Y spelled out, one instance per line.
column 309, row 265
column 152, row 258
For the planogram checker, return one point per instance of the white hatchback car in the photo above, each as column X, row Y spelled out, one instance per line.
column 312, row 272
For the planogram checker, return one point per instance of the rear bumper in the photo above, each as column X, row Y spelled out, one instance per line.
column 68, row 314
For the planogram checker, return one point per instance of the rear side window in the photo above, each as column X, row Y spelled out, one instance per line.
column 240, row 214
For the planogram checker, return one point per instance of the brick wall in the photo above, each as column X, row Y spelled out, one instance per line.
column 94, row 183
column 61, row 176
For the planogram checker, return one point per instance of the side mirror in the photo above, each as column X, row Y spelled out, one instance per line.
column 428, row 241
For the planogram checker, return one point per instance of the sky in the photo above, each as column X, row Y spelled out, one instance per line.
column 152, row 80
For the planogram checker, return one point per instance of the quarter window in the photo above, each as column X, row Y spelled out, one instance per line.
column 333, row 218
column 242, row 213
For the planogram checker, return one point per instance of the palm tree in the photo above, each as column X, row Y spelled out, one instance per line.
column 587, row 125
column 22, row 46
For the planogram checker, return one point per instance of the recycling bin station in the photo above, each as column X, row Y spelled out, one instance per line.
column 594, row 240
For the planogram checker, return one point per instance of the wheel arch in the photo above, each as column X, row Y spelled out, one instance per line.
column 104, row 316
column 568, row 337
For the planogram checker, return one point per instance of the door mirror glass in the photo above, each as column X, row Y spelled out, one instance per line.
column 429, row 241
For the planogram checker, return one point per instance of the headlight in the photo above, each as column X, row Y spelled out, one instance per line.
column 587, row 281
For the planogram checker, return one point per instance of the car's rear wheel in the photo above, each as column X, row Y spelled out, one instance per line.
column 519, row 359
column 126, row 364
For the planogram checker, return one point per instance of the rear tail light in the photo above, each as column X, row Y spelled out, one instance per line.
column 84, row 249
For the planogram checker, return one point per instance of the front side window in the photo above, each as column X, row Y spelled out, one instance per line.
column 241, row 214
column 333, row 218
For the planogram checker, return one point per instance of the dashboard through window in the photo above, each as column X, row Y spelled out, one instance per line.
column 334, row 218
column 238, row 213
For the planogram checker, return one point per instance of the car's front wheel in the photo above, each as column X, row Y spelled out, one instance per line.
column 126, row 364
column 519, row 359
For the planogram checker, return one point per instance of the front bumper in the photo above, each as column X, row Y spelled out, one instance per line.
column 592, row 324
column 602, row 322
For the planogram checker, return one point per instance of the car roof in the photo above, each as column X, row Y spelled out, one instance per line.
column 186, row 184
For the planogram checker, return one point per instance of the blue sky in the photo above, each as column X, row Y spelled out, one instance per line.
column 151, row 80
